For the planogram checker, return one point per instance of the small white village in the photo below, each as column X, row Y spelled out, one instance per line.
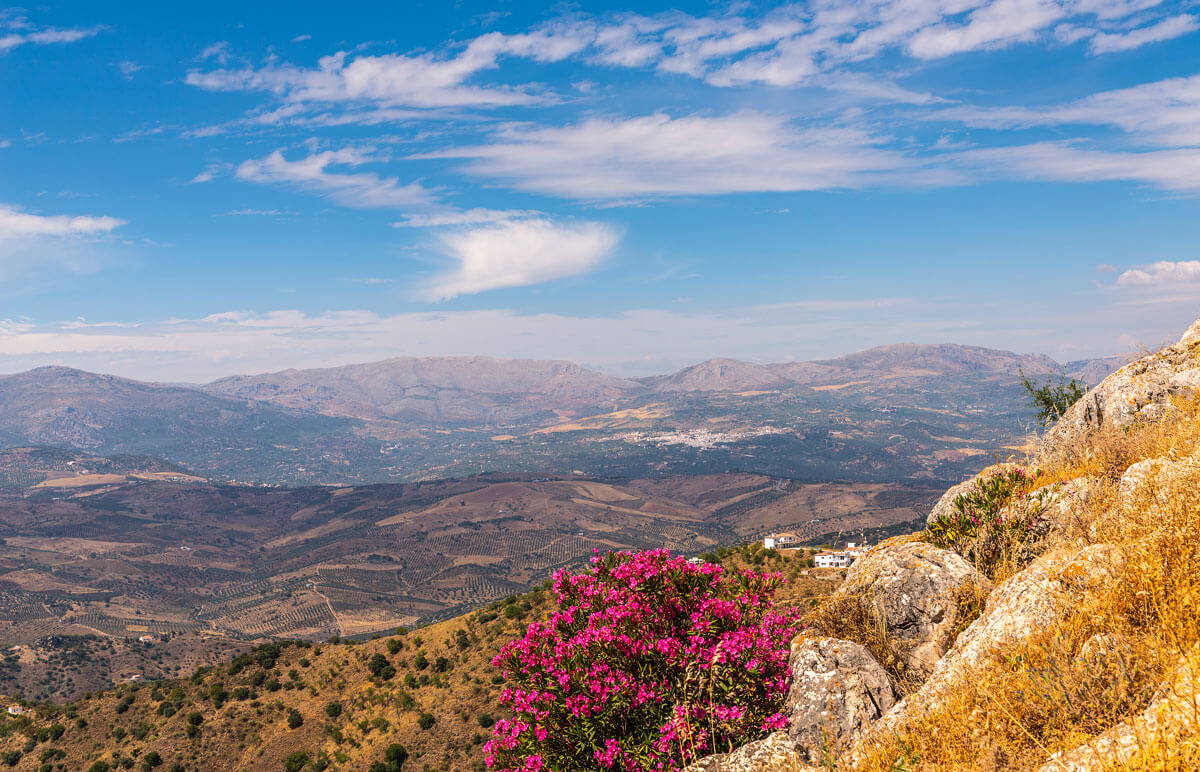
column 827, row 559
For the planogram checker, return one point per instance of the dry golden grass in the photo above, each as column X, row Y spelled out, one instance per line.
column 1105, row 662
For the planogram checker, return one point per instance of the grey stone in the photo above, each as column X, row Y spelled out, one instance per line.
column 774, row 753
column 911, row 588
column 838, row 689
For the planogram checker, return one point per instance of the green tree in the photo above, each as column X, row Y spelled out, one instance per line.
column 1052, row 398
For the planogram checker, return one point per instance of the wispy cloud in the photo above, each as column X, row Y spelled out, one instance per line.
column 358, row 189
column 16, row 31
column 1165, row 111
column 658, row 155
column 520, row 253
column 30, row 240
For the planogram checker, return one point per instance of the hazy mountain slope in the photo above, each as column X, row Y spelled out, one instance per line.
column 475, row 389
column 105, row 414
column 938, row 359
column 720, row 375
column 1092, row 371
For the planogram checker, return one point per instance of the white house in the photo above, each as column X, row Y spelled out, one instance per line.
column 16, row 710
column 832, row 560
column 856, row 549
column 781, row 541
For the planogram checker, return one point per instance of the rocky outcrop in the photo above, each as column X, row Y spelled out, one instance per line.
column 838, row 689
column 1017, row 609
column 774, row 753
column 1154, row 733
column 1140, row 390
column 911, row 589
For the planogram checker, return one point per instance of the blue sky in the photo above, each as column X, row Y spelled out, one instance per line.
column 187, row 194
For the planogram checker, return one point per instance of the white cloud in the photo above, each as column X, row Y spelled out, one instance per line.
column 520, row 253
column 421, row 80
column 128, row 68
column 1164, row 273
column 1175, row 169
column 993, row 25
column 657, row 155
column 15, row 224
column 1167, row 29
column 29, row 241
column 1165, row 111
column 44, row 36
column 361, row 189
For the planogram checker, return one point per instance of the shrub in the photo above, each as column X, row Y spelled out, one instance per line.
column 294, row 719
column 393, row 759
column 333, row 709
column 295, row 761
column 986, row 530
column 1052, row 399
column 650, row 663
column 151, row 760
column 381, row 668
column 426, row 720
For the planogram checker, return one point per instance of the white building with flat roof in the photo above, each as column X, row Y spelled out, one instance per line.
column 781, row 541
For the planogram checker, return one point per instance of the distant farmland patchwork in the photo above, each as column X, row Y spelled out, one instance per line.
column 162, row 558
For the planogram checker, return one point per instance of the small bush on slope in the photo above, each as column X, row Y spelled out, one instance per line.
column 650, row 663
column 999, row 539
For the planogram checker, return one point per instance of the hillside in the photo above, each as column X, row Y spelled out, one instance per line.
column 432, row 690
column 201, row 567
column 469, row 390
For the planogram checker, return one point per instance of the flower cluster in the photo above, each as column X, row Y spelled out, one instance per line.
column 650, row 663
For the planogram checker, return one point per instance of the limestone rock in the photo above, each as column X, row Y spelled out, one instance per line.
column 1154, row 732
column 838, row 689
column 1138, row 391
column 911, row 588
column 774, row 753
column 1151, row 471
column 1017, row 609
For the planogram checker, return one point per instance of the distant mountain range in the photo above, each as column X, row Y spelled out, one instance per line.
column 407, row 418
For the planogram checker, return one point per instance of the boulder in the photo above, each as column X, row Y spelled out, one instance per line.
column 911, row 588
column 1019, row 608
column 838, row 689
column 1152, row 471
column 1140, row 390
column 773, row 753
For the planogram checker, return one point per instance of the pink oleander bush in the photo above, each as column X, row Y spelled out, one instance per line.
column 650, row 663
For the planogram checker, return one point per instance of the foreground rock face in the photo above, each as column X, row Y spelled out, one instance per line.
column 838, row 689
column 1140, row 390
column 775, row 753
column 911, row 588
column 1017, row 610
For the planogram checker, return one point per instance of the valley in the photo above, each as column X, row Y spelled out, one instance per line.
column 192, row 565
